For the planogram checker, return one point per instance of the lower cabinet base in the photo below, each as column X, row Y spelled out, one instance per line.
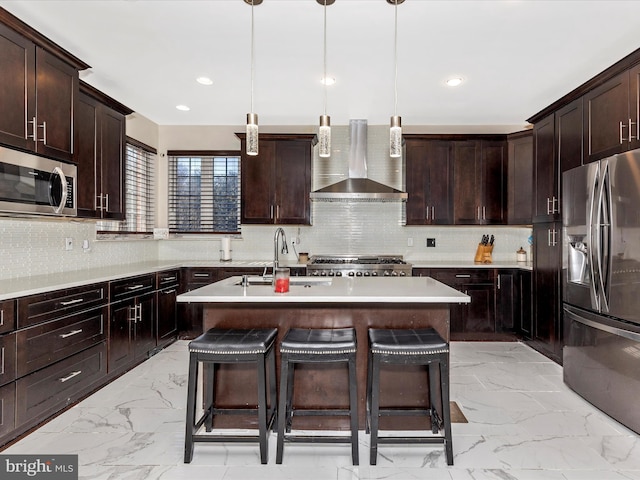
column 7, row 409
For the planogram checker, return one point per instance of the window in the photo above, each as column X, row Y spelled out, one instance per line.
column 204, row 192
column 139, row 191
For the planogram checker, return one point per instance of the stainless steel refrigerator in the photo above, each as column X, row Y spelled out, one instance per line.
column 601, row 284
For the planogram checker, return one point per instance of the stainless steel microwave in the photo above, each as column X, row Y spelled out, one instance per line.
column 32, row 185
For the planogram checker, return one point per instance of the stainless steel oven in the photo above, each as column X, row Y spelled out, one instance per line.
column 32, row 185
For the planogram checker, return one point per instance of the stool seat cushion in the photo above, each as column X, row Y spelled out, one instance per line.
column 319, row 341
column 407, row 341
column 221, row 341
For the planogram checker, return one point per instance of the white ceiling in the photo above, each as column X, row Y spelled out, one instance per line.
column 516, row 57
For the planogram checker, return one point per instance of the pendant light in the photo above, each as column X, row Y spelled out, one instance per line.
column 252, row 118
column 324, row 131
column 395, row 130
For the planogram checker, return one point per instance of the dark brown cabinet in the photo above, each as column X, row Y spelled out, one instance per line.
column 520, row 178
column 480, row 182
column 100, row 154
column 611, row 116
column 276, row 183
column 525, row 327
column 547, row 321
column 546, row 199
column 38, row 93
column 429, row 174
column 7, row 411
column 131, row 322
column 166, row 312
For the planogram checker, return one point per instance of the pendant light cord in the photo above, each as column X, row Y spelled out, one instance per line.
column 395, row 57
column 325, row 57
column 252, row 56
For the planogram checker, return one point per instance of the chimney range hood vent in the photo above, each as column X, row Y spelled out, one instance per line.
column 358, row 187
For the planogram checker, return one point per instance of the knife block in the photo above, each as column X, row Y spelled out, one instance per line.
column 483, row 254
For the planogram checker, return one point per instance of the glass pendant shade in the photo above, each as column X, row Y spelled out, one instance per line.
column 252, row 134
column 324, row 137
column 395, row 137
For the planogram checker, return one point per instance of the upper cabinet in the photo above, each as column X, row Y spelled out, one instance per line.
column 100, row 154
column 480, row 182
column 429, row 182
column 611, row 116
column 520, row 178
column 39, row 89
column 276, row 183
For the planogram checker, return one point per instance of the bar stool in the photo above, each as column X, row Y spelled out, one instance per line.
column 217, row 346
column 409, row 347
column 316, row 346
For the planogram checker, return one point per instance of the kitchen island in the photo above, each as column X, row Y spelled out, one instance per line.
column 328, row 302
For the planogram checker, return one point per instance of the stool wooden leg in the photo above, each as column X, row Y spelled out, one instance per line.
column 433, row 403
column 262, row 409
column 289, row 397
column 375, row 409
column 353, row 409
column 282, row 406
column 209, row 393
column 191, row 407
column 367, row 413
column 273, row 394
column 446, row 410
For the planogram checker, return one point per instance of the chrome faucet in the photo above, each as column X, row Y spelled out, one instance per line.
column 285, row 250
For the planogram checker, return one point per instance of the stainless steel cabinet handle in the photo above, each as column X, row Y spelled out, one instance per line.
column 622, row 125
column 135, row 287
column 70, row 376
column 484, row 213
column 133, row 312
column 168, row 279
column 202, row 275
column 44, row 133
column 271, row 211
column 140, row 313
column 106, row 202
column 34, row 135
column 71, row 333
column 2, row 361
column 167, row 292
column 433, row 213
column 72, row 302
column 478, row 213
column 463, row 275
column 1, row 318
column 499, row 281
column 631, row 133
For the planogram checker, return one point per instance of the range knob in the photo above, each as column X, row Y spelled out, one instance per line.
column 358, row 274
column 386, row 273
column 403, row 274
column 323, row 273
column 394, row 274
column 374, row 274
column 351, row 274
column 338, row 273
column 366, row 274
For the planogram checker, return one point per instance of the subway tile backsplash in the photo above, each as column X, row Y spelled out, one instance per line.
column 37, row 246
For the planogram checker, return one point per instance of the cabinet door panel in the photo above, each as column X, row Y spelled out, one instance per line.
column 120, row 335
column 492, row 182
column 480, row 313
column 166, row 312
column 520, row 180
column 145, row 338
column 293, row 177
column 606, row 107
column 7, row 408
column 112, row 160
column 569, row 137
column 86, row 151
column 257, row 205
column 546, row 176
column 56, row 85
column 17, row 89
column 634, row 106
column 465, row 208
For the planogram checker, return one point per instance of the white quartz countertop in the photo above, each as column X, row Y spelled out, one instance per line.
column 330, row 290
column 35, row 284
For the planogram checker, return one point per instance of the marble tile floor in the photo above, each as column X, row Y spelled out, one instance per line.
column 524, row 424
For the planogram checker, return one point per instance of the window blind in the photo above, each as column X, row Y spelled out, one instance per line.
column 204, row 192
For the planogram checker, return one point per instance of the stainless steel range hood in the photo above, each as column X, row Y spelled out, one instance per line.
column 358, row 187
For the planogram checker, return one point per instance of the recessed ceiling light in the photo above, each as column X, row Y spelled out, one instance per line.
column 454, row 82
column 204, row 81
column 328, row 80
column 183, row 108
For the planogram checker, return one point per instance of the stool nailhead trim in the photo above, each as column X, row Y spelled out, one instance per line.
column 316, row 352
column 226, row 352
column 420, row 352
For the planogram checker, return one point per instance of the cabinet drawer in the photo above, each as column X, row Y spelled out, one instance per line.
column 7, row 316
column 48, row 306
column 44, row 344
column 455, row 276
column 7, row 409
column 131, row 287
column 200, row 275
column 7, row 358
column 170, row 278
column 46, row 391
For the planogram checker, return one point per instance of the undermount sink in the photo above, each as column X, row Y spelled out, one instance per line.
column 303, row 281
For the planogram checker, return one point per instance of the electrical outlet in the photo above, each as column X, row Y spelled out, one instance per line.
column 431, row 242
column 409, row 242
column 68, row 243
